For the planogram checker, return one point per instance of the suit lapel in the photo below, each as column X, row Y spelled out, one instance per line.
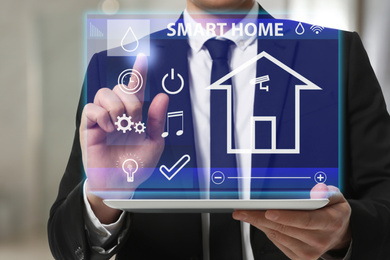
column 285, row 53
column 183, row 233
column 170, row 57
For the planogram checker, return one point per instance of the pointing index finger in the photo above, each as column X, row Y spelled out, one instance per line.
column 135, row 87
column 132, row 95
column 138, row 77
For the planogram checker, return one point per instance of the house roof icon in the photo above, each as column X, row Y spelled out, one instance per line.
column 308, row 85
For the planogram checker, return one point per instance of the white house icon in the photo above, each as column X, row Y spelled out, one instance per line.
column 308, row 85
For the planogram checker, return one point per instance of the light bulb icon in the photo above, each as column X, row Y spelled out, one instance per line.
column 130, row 167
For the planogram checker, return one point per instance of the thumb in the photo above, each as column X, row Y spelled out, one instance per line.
column 321, row 191
column 335, row 196
column 156, row 116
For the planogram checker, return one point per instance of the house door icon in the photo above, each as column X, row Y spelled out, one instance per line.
column 270, row 120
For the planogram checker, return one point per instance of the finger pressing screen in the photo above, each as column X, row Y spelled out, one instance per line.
column 132, row 95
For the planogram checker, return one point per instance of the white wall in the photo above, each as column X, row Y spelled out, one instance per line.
column 339, row 14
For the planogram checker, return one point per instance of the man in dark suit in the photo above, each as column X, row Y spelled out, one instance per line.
column 352, row 224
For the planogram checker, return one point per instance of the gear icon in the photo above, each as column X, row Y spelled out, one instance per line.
column 140, row 127
column 119, row 123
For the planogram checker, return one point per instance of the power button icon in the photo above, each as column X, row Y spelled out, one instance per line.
column 172, row 78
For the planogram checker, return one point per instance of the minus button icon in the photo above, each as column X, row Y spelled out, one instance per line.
column 218, row 177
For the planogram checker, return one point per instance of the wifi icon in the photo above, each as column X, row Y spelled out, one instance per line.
column 317, row 29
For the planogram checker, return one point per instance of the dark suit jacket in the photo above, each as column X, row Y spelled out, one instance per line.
column 366, row 177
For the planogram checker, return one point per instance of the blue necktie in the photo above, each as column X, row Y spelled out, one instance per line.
column 225, row 232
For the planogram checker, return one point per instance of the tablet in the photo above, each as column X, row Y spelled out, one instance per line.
column 213, row 206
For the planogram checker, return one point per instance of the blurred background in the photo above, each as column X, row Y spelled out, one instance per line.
column 42, row 67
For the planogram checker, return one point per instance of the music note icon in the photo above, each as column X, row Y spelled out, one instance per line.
column 172, row 115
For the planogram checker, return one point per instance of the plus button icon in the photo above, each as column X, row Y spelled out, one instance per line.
column 320, row 177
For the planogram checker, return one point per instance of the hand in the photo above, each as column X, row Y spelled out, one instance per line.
column 306, row 234
column 103, row 162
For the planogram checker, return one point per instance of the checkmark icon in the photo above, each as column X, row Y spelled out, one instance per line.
column 175, row 168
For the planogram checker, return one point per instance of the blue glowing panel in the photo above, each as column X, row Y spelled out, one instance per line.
column 295, row 138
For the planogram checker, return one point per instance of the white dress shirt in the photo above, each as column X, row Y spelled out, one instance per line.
column 199, row 64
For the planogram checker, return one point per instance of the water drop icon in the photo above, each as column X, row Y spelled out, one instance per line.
column 300, row 29
column 129, row 38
